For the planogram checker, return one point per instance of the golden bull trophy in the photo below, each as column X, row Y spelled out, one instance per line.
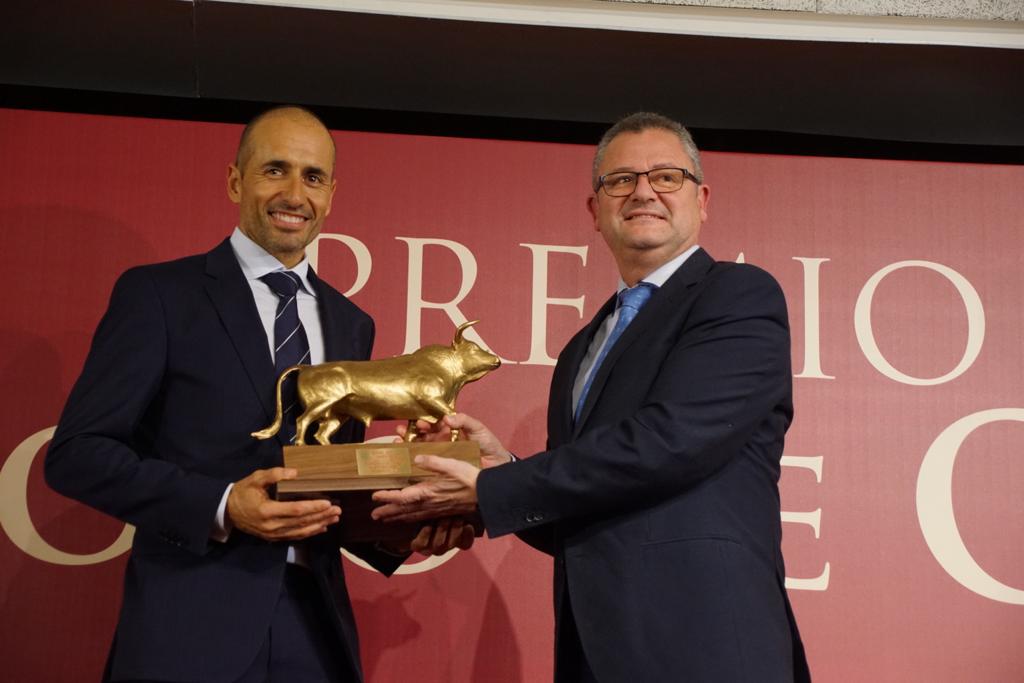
column 422, row 385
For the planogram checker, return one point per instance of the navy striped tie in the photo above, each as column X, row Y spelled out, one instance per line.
column 291, row 347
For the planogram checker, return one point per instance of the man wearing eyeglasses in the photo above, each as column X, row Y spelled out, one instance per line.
column 658, row 493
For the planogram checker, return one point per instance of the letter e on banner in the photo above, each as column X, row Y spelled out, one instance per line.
column 811, row 519
column 935, row 507
column 540, row 300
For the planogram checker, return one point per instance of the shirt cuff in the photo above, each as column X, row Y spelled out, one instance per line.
column 222, row 526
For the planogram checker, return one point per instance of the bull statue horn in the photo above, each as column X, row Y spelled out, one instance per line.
column 462, row 328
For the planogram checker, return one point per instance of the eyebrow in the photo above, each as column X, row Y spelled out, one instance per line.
column 287, row 165
column 626, row 169
column 316, row 170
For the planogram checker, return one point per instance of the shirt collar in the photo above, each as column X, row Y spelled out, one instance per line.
column 661, row 275
column 256, row 262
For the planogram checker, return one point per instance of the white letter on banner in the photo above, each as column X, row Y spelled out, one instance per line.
column 812, row 318
column 811, row 519
column 364, row 263
column 415, row 302
column 975, row 323
column 16, row 522
column 935, row 507
column 540, row 300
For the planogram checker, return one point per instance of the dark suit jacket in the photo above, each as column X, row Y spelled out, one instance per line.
column 158, row 424
column 660, row 503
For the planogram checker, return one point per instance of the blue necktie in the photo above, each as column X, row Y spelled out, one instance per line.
column 630, row 302
column 291, row 347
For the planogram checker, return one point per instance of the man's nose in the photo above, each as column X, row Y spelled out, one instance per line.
column 643, row 189
column 293, row 191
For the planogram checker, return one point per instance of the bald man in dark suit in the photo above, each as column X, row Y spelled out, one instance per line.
column 223, row 583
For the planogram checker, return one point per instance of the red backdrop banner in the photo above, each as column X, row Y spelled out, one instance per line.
column 903, row 469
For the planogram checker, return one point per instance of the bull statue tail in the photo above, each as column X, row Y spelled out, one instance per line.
column 275, row 427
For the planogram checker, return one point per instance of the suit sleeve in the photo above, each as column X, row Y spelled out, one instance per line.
column 100, row 452
column 726, row 373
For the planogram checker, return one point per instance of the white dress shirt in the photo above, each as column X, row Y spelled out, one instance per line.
column 255, row 263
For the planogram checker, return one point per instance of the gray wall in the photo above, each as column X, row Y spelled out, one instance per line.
column 1002, row 10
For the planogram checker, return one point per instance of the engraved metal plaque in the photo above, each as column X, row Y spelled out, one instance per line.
column 383, row 462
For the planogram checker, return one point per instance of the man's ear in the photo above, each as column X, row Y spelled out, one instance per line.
column 592, row 207
column 703, row 199
column 234, row 184
column 330, row 200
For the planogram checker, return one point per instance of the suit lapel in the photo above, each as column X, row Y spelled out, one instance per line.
column 233, row 300
column 564, row 377
column 335, row 346
column 657, row 310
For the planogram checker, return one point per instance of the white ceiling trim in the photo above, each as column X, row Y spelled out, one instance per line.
column 677, row 19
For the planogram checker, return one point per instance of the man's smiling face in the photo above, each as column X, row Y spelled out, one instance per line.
column 283, row 183
column 647, row 226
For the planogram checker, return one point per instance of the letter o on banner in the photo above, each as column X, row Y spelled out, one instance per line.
column 15, row 519
column 866, row 336
column 935, row 507
column 414, row 568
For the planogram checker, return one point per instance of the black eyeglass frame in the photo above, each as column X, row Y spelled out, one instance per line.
column 687, row 175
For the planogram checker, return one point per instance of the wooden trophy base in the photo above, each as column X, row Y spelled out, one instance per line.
column 348, row 474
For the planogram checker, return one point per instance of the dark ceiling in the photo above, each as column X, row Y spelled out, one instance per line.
column 216, row 58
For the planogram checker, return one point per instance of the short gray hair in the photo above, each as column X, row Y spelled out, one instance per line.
column 638, row 122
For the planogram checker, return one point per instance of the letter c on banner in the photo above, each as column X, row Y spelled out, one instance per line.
column 16, row 522
column 416, row 567
column 935, row 507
